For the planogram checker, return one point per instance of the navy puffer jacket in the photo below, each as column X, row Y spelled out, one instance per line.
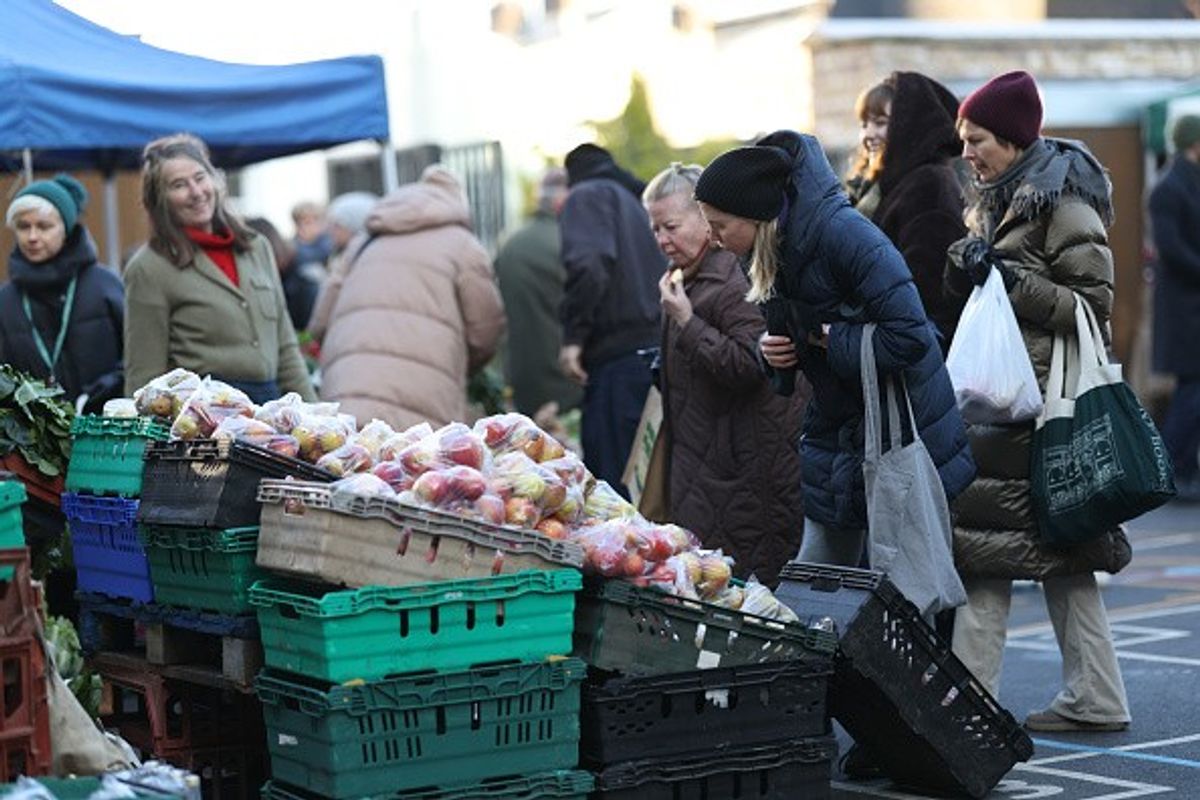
column 839, row 269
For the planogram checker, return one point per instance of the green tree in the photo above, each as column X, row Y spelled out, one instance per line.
column 637, row 145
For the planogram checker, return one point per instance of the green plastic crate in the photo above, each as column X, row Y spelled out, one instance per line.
column 107, row 453
column 377, row 631
column 12, row 526
column 560, row 785
column 83, row 788
column 425, row 730
column 200, row 568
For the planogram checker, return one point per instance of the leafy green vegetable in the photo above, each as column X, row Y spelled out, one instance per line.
column 34, row 421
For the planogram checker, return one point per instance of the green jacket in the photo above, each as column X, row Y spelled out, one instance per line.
column 531, row 276
column 193, row 317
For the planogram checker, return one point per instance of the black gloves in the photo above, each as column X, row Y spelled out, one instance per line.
column 979, row 259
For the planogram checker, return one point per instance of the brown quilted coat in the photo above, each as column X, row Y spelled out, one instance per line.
column 734, row 464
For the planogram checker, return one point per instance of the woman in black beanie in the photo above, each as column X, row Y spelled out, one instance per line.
column 822, row 272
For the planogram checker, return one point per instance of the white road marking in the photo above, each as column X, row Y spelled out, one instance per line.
column 1131, row 788
column 1125, row 747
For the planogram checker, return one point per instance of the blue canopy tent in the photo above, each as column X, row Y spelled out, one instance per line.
column 76, row 95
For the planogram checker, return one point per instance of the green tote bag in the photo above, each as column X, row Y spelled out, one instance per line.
column 1097, row 458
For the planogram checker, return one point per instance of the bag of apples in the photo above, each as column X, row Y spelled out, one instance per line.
column 509, row 433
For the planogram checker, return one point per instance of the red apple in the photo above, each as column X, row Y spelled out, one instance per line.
column 552, row 528
column 463, row 448
column 490, row 508
column 418, row 459
column 608, row 559
column 465, row 483
column 495, row 429
column 634, row 564
column 657, row 546
column 393, row 474
column 521, row 511
column 432, row 487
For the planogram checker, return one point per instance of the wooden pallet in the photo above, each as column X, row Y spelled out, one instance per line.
column 198, row 647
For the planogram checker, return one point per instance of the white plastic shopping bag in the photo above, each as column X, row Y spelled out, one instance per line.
column 988, row 363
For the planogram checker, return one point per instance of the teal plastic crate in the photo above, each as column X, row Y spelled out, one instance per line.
column 426, row 730
column 378, row 631
column 107, row 453
column 201, row 568
column 12, row 525
column 560, row 784
column 83, row 788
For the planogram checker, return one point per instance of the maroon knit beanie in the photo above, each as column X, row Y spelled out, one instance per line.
column 1008, row 106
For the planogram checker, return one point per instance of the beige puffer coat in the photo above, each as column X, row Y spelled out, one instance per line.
column 407, row 317
column 1057, row 254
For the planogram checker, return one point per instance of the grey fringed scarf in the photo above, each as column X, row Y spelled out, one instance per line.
column 1048, row 170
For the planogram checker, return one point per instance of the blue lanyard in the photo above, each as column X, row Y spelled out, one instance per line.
column 52, row 360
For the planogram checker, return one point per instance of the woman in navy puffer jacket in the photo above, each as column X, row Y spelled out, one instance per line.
column 823, row 271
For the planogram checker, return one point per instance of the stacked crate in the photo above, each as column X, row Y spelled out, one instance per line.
column 429, row 661
column 687, row 699
column 104, row 482
column 25, row 715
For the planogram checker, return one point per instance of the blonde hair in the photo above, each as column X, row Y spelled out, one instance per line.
column 764, row 262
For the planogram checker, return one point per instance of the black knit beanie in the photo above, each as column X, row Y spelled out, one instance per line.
column 748, row 182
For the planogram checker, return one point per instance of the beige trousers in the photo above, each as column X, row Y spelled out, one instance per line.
column 1092, row 687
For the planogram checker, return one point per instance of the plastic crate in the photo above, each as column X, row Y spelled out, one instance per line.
column 231, row 772
column 642, row 631
column 379, row 631
column 314, row 532
column 107, row 453
column 46, row 488
column 109, row 556
column 424, row 730
column 898, row 690
column 701, row 711
column 25, row 715
column 83, row 788
column 794, row 770
column 19, row 604
column 12, row 526
column 564, row 784
column 212, row 483
column 200, row 568
column 159, row 715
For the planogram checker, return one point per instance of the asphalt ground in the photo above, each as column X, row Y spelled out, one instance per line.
column 1154, row 611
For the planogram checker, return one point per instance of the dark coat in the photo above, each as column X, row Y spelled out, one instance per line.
column 1175, row 216
column 611, row 301
column 91, row 360
column 733, row 464
column 839, row 269
column 530, row 272
column 921, row 197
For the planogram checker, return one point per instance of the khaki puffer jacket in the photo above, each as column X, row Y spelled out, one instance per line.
column 412, row 312
column 1058, row 254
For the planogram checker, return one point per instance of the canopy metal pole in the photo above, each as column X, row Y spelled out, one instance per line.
column 112, row 234
column 387, row 157
column 27, row 160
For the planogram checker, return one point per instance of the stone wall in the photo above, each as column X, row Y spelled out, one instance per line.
column 843, row 67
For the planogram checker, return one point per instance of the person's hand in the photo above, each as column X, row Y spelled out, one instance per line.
column 778, row 351
column 979, row 259
column 570, row 361
column 675, row 302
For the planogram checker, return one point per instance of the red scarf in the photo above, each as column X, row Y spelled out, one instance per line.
column 218, row 247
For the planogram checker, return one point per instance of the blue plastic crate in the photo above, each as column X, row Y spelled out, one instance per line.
column 109, row 556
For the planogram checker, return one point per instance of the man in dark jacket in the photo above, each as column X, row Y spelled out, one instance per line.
column 529, row 269
column 1175, row 216
column 610, row 307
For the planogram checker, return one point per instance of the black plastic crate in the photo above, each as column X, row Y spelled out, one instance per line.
column 212, row 483
column 795, row 770
column 897, row 688
column 695, row 712
column 644, row 631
